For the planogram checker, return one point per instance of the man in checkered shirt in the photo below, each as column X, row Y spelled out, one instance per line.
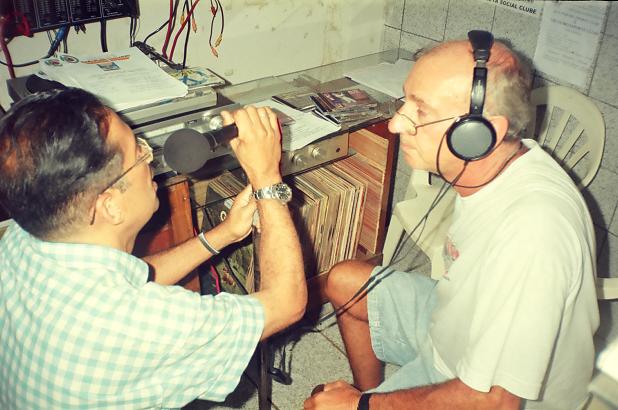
column 81, row 326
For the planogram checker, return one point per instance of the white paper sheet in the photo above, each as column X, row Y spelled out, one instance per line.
column 568, row 40
column 305, row 129
column 122, row 79
column 385, row 77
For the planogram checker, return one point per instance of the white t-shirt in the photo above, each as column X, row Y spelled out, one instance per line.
column 517, row 307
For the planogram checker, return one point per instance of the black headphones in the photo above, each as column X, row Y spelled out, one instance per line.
column 471, row 137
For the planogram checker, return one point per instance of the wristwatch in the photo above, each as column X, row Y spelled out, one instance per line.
column 280, row 191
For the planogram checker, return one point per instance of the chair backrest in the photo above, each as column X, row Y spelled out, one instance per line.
column 568, row 116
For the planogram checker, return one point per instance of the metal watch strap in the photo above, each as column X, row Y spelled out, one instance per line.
column 279, row 191
column 363, row 403
column 262, row 193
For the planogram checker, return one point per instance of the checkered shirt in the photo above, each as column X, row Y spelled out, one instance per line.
column 82, row 328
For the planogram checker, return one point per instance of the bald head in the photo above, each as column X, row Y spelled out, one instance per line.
column 508, row 81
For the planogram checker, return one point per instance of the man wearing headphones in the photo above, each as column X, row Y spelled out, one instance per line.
column 510, row 323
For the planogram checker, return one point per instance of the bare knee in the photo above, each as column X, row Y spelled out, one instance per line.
column 344, row 279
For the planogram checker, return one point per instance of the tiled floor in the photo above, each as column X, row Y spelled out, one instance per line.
column 314, row 355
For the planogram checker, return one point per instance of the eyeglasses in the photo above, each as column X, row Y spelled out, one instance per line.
column 146, row 156
column 414, row 127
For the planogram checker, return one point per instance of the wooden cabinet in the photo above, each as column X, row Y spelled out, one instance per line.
column 173, row 222
column 171, row 225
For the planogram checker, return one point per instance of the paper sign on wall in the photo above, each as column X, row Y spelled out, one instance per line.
column 569, row 40
column 528, row 7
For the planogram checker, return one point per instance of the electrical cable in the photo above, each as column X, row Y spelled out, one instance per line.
column 216, row 8
column 104, row 36
column 184, row 23
column 131, row 32
column 60, row 34
column 184, row 56
column 377, row 277
column 65, row 44
column 490, row 179
column 284, row 376
column 5, row 47
column 155, row 32
column 365, row 288
column 170, row 27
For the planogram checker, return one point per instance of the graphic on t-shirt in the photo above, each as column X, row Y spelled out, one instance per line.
column 450, row 254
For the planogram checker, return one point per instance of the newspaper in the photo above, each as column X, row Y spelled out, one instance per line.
column 122, row 79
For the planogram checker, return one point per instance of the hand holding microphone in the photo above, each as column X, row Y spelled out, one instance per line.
column 258, row 146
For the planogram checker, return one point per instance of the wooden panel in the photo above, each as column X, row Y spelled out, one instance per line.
column 170, row 225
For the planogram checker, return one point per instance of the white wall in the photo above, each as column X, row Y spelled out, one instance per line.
column 261, row 37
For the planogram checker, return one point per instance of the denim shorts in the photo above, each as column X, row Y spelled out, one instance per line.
column 399, row 309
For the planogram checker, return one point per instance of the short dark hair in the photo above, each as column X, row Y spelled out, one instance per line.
column 53, row 159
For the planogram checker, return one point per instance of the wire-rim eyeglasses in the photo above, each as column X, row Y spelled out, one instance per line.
column 146, row 156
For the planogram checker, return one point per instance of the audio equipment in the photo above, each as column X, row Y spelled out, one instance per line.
column 472, row 136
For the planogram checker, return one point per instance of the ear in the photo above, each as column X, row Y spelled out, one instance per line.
column 108, row 209
column 501, row 125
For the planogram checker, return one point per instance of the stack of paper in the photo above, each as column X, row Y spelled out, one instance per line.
column 385, row 77
column 123, row 79
column 303, row 128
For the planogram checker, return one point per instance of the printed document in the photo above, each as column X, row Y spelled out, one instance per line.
column 303, row 129
column 122, row 79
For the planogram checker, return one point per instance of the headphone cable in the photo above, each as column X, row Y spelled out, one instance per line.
column 378, row 276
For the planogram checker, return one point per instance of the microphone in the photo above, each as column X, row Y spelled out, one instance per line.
column 187, row 150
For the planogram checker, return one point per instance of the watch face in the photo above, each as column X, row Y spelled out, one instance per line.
column 283, row 192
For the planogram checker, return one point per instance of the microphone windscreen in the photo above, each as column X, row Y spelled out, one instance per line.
column 186, row 150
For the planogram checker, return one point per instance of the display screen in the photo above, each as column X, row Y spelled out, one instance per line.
column 31, row 16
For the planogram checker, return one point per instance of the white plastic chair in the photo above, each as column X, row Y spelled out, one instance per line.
column 560, row 133
column 408, row 213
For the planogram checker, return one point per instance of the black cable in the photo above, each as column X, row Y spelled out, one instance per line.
column 130, row 31
column 156, row 31
column 378, row 276
column 184, row 56
column 65, row 44
column 60, row 35
column 213, row 11
column 22, row 64
column 222, row 18
column 162, row 25
column 104, row 36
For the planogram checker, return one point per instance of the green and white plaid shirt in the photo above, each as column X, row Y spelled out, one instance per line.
column 81, row 328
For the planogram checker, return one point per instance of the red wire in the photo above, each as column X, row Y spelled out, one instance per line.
column 215, row 276
column 182, row 28
column 169, row 29
column 5, row 49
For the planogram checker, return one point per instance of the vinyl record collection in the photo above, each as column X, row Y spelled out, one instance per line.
column 334, row 209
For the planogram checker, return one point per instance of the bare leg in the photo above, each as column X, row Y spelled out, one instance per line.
column 344, row 280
